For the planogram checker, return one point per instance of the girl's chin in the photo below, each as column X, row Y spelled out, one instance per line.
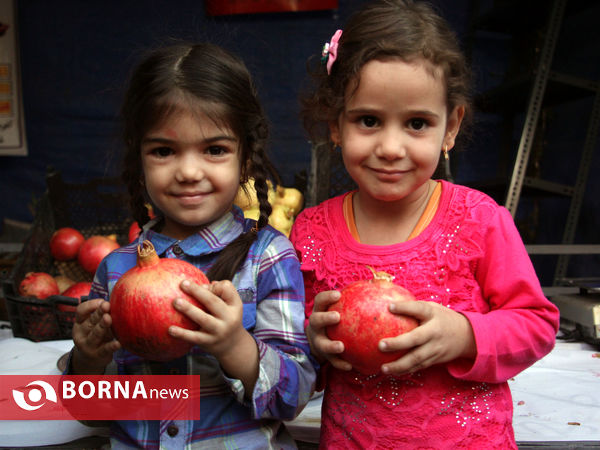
column 385, row 197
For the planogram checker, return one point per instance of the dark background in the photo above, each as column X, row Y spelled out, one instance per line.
column 76, row 56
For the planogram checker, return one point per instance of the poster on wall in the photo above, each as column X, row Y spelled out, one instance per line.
column 225, row 7
column 12, row 123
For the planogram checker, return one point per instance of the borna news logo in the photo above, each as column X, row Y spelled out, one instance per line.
column 34, row 396
column 100, row 397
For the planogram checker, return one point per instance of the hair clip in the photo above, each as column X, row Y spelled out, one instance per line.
column 329, row 52
column 325, row 53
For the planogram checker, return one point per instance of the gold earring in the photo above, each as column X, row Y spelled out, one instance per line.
column 447, row 172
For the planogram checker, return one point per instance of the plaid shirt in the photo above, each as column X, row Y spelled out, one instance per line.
column 271, row 287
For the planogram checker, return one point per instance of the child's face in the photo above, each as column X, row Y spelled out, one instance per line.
column 393, row 128
column 191, row 170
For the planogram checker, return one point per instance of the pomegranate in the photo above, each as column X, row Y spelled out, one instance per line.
column 65, row 243
column 141, row 305
column 64, row 282
column 365, row 319
column 39, row 285
column 77, row 290
column 134, row 231
column 93, row 251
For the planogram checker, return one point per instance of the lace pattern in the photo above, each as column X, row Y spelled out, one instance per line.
column 428, row 409
column 422, row 266
column 383, row 411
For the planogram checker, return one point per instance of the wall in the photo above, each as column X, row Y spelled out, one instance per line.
column 76, row 56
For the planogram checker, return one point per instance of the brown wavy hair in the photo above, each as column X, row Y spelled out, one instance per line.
column 218, row 83
column 382, row 30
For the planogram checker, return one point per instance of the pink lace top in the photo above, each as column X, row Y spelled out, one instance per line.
column 469, row 258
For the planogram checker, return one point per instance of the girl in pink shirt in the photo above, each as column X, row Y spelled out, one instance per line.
column 392, row 93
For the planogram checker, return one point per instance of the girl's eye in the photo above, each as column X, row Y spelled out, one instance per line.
column 369, row 121
column 417, row 124
column 215, row 150
column 162, row 152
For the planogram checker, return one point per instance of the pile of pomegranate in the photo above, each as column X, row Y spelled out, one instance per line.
column 68, row 244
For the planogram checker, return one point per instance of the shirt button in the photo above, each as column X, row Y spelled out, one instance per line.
column 172, row 430
column 177, row 250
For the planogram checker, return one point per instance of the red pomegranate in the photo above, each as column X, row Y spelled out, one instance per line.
column 39, row 285
column 133, row 232
column 65, row 243
column 94, row 249
column 365, row 319
column 78, row 290
column 141, row 305
column 135, row 229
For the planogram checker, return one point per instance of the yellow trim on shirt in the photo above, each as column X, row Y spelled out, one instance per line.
column 424, row 220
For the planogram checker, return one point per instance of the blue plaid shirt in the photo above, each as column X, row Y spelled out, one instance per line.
column 271, row 287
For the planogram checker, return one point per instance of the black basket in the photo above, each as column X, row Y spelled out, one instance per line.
column 95, row 208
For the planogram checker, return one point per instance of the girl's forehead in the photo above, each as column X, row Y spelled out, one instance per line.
column 173, row 109
column 420, row 66
column 417, row 62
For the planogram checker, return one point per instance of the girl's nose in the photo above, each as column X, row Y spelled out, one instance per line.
column 189, row 169
column 391, row 144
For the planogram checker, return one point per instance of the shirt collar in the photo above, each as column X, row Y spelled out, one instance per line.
column 211, row 238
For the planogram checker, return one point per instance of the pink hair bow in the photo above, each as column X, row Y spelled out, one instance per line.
column 330, row 50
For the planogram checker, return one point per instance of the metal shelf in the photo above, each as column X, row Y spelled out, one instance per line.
column 529, row 92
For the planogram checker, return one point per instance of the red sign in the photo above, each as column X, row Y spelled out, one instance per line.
column 100, row 397
column 225, row 7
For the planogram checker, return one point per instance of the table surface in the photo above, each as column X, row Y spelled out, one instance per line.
column 555, row 401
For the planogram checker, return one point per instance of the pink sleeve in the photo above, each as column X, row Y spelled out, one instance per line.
column 521, row 326
column 298, row 236
column 300, row 231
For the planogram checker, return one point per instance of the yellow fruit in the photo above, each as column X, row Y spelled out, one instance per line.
column 290, row 197
column 63, row 282
column 246, row 199
column 282, row 218
column 252, row 213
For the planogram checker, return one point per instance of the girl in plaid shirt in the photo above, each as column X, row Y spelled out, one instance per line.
column 195, row 131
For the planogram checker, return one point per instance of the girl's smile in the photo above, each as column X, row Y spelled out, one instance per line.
column 192, row 171
column 389, row 175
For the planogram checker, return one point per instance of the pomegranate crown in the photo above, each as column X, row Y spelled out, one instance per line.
column 146, row 254
column 381, row 275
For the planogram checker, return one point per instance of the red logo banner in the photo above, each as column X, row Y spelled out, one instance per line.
column 100, row 397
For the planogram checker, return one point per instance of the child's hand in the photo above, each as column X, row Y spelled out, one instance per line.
column 442, row 336
column 321, row 346
column 220, row 322
column 93, row 338
column 221, row 331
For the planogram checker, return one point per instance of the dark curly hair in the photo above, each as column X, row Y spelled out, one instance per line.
column 381, row 30
column 216, row 81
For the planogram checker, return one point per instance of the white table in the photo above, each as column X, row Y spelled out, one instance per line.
column 23, row 357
